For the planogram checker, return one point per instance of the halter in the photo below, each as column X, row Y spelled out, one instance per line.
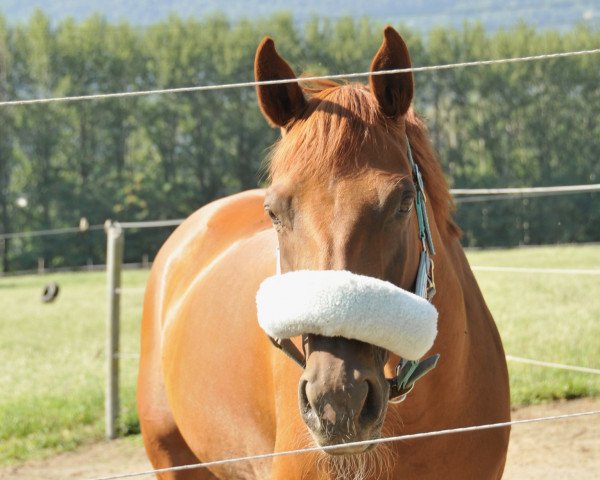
column 407, row 371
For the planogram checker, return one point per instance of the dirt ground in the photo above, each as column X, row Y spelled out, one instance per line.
column 562, row 449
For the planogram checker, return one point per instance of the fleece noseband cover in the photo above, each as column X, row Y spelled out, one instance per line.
column 340, row 303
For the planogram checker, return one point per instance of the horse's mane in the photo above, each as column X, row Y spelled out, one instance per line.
column 338, row 121
column 436, row 186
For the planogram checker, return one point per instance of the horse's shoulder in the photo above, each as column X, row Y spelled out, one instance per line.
column 236, row 214
column 202, row 238
column 214, row 227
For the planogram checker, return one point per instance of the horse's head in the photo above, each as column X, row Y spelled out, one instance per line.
column 341, row 198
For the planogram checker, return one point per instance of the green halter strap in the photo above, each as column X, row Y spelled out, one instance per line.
column 409, row 371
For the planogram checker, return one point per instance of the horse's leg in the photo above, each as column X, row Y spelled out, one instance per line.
column 167, row 448
column 164, row 443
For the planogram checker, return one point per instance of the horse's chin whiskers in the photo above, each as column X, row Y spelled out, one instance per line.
column 393, row 422
column 372, row 465
column 306, row 440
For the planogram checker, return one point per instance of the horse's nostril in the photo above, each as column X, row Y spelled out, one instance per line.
column 371, row 406
column 305, row 405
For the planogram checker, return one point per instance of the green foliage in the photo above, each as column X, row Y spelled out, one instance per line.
column 52, row 360
column 163, row 156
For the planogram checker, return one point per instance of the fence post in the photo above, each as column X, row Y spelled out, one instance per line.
column 114, row 260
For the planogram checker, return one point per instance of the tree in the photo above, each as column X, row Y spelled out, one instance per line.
column 6, row 145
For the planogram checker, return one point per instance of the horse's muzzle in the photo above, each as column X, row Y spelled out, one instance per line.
column 342, row 401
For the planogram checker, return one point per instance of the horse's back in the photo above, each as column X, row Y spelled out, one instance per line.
column 203, row 354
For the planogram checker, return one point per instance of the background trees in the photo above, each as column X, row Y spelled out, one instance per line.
column 527, row 124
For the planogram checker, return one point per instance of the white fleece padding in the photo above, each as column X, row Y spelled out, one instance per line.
column 341, row 303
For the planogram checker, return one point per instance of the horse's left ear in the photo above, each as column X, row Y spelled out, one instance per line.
column 394, row 92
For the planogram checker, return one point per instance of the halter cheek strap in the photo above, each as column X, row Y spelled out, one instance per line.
column 407, row 371
column 425, row 284
column 285, row 344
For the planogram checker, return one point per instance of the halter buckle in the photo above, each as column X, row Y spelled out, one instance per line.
column 431, row 291
column 407, row 373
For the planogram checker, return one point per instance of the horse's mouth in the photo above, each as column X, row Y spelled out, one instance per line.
column 344, row 443
column 348, row 449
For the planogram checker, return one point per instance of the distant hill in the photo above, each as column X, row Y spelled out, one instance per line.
column 418, row 14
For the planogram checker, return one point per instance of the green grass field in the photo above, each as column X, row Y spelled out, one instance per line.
column 52, row 360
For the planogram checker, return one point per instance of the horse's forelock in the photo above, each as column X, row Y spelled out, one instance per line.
column 338, row 121
column 332, row 130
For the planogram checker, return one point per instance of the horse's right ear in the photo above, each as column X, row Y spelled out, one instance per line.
column 393, row 92
column 280, row 104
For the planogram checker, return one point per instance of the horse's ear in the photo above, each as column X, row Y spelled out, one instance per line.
column 394, row 92
column 280, row 104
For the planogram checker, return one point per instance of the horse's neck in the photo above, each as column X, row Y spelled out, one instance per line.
column 459, row 300
column 476, row 311
column 466, row 328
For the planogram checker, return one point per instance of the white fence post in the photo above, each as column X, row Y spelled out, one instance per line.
column 114, row 260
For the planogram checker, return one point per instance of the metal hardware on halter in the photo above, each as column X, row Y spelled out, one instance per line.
column 407, row 373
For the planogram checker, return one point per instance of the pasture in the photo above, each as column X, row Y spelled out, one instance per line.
column 52, row 355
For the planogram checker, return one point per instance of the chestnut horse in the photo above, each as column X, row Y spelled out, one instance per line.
column 211, row 384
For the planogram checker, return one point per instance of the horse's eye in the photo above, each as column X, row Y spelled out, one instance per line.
column 405, row 208
column 272, row 216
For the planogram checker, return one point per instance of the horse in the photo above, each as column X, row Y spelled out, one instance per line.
column 342, row 197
